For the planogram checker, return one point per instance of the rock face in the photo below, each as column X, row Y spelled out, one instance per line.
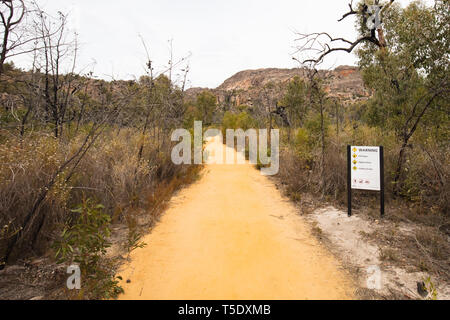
column 247, row 87
column 250, row 79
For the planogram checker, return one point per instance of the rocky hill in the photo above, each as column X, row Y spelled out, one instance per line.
column 247, row 87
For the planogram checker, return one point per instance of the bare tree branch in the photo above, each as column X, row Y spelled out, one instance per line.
column 351, row 12
column 321, row 44
column 313, row 43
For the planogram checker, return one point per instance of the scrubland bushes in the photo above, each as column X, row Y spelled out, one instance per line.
column 407, row 112
column 118, row 181
column 425, row 183
column 109, row 173
column 241, row 120
column 313, row 155
column 78, row 154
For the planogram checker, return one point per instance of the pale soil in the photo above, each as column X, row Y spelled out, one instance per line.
column 232, row 235
column 347, row 239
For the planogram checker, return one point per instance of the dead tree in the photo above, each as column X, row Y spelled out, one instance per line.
column 57, row 52
column 12, row 13
column 318, row 98
column 17, row 29
column 321, row 44
column 31, row 95
column 162, row 109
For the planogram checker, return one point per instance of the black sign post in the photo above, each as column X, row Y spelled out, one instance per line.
column 382, row 181
column 349, row 179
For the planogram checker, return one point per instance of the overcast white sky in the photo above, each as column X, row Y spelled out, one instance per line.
column 224, row 37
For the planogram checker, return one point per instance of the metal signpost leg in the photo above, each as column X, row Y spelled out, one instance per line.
column 382, row 181
column 349, row 180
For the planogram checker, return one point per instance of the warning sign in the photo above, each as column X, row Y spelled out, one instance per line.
column 365, row 172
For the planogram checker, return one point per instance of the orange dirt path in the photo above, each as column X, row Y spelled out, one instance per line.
column 232, row 235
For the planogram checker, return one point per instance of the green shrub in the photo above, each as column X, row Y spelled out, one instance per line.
column 302, row 144
column 84, row 241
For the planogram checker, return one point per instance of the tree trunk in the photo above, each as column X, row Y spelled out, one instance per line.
column 398, row 170
column 322, row 160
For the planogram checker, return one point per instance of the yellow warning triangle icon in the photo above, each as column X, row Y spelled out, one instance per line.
column 354, row 149
column 355, row 162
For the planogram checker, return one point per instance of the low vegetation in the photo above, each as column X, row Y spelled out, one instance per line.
column 406, row 112
column 79, row 155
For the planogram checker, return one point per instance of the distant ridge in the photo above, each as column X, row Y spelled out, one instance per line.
column 244, row 87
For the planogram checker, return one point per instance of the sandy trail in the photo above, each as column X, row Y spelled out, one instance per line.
column 232, row 235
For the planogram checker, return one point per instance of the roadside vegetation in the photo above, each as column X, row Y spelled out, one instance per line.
column 405, row 69
column 407, row 113
column 79, row 155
